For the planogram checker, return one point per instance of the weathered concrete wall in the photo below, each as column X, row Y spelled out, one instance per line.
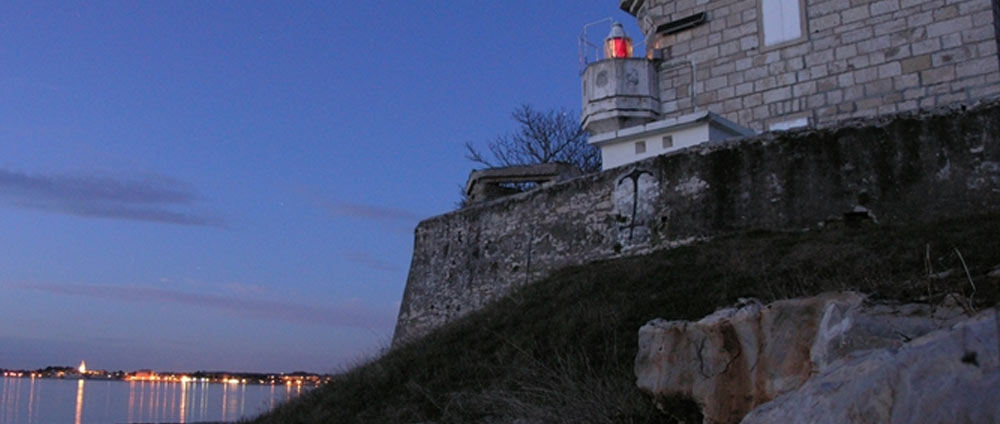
column 856, row 58
column 908, row 168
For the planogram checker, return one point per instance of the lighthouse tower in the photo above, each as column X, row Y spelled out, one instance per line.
column 619, row 91
column 623, row 113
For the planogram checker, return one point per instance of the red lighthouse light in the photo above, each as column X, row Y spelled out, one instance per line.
column 617, row 45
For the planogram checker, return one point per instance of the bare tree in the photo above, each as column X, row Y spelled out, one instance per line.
column 542, row 137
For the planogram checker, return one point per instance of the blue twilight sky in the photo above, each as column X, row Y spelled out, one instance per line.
column 233, row 184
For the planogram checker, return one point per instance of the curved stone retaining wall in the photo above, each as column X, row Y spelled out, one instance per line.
column 900, row 169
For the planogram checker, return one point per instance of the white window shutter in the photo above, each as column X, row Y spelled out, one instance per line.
column 782, row 20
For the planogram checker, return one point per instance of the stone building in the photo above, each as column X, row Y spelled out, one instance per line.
column 759, row 65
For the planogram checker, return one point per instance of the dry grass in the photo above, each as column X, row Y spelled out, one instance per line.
column 562, row 350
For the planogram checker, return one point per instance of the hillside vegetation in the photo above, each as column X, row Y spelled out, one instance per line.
column 562, row 350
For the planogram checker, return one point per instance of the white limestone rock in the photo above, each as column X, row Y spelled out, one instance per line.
column 738, row 358
column 947, row 376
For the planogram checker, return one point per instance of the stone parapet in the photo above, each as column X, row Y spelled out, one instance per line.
column 493, row 183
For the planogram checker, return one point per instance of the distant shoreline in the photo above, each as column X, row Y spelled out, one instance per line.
column 213, row 377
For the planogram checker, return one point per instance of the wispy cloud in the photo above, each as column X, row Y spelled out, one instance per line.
column 346, row 314
column 370, row 261
column 155, row 199
column 338, row 208
column 248, row 289
column 380, row 213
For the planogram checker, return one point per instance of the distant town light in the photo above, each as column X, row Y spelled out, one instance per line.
column 617, row 45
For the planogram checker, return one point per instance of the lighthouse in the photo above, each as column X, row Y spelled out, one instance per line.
column 623, row 111
column 619, row 91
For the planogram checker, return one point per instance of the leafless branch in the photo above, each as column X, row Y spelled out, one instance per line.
column 541, row 137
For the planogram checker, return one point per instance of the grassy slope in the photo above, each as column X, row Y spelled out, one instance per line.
column 562, row 350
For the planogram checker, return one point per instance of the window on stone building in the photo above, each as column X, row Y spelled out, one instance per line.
column 668, row 141
column 781, row 20
column 640, row 147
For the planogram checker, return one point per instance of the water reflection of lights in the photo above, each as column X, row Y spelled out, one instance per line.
column 131, row 401
column 152, row 399
column 225, row 405
column 79, row 401
column 271, row 405
column 7, row 401
column 182, row 412
column 203, row 411
column 31, row 401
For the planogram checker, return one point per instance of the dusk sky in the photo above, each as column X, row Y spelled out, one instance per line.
column 233, row 185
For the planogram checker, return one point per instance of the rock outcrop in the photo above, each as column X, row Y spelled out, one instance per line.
column 947, row 376
column 738, row 358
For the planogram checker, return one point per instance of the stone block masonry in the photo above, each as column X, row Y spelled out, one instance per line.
column 854, row 58
column 996, row 24
column 900, row 169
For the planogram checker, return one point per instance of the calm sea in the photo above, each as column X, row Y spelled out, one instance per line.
column 45, row 401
